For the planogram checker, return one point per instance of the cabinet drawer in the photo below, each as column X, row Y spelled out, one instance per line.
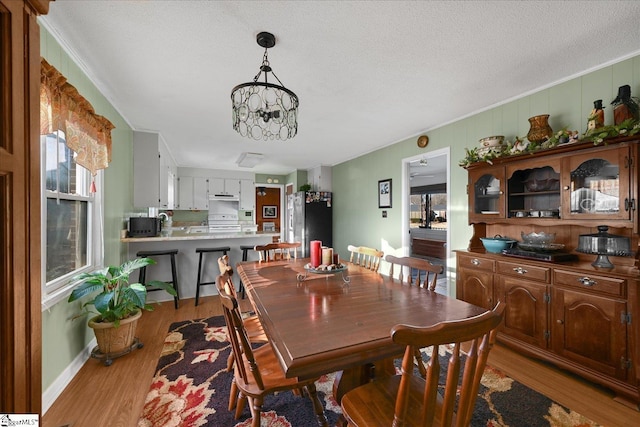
column 590, row 282
column 523, row 270
column 476, row 262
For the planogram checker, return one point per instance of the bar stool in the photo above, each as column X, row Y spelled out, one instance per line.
column 202, row 252
column 174, row 274
column 244, row 249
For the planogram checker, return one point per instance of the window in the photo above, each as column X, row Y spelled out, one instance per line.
column 75, row 148
column 71, row 218
column 428, row 207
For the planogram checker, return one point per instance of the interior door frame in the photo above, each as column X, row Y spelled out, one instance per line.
column 406, row 203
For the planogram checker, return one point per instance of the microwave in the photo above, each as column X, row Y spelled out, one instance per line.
column 144, row 227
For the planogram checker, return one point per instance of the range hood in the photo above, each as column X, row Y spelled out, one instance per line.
column 228, row 197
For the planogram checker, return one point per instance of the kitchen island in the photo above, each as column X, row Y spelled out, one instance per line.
column 186, row 240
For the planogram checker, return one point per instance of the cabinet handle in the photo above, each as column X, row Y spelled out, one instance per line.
column 587, row 282
column 560, row 321
column 475, row 261
column 566, row 187
column 520, row 270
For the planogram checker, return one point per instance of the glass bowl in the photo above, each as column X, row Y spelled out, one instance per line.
column 538, row 238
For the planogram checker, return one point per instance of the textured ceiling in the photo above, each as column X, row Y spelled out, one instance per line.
column 368, row 73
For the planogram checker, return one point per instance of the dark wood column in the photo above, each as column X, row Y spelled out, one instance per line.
column 20, row 270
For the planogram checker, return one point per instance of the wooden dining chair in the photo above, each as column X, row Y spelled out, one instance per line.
column 257, row 372
column 278, row 251
column 366, row 257
column 409, row 400
column 422, row 267
column 252, row 323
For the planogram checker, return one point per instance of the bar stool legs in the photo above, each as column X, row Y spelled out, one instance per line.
column 174, row 271
column 244, row 249
column 202, row 251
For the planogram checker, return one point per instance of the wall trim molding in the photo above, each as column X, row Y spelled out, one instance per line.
column 54, row 391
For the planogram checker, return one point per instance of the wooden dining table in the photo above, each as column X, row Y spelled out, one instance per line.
column 339, row 322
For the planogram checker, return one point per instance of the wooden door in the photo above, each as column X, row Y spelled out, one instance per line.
column 475, row 287
column 591, row 330
column 596, row 185
column 20, row 285
column 525, row 317
column 486, row 190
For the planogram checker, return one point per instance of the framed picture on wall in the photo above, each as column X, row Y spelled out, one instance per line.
column 384, row 193
column 269, row 212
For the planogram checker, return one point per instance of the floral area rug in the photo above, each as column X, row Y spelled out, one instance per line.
column 191, row 388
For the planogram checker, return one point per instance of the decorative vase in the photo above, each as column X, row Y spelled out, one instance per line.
column 112, row 340
column 540, row 129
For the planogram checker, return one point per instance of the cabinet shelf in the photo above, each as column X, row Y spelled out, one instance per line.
column 536, row 193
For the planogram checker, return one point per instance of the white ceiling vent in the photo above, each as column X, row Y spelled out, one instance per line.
column 249, row 160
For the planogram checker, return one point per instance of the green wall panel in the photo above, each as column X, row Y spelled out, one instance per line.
column 357, row 219
column 62, row 338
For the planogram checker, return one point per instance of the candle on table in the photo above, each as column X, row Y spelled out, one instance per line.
column 316, row 253
column 327, row 255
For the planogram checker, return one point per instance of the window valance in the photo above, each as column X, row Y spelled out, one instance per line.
column 63, row 108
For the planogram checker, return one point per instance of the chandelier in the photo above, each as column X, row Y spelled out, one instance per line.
column 263, row 110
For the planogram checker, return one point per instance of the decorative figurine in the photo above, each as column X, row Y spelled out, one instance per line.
column 596, row 118
column 626, row 106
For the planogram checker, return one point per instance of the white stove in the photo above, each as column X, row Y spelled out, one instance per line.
column 221, row 228
column 224, row 223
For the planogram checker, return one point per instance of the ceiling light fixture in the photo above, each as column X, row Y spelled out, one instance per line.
column 263, row 110
column 249, row 160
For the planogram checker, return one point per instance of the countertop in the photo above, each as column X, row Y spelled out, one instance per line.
column 182, row 234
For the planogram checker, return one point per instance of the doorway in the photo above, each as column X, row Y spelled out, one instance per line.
column 270, row 213
column 426, row 208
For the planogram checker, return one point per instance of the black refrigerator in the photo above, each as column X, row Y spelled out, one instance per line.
column 309, row 217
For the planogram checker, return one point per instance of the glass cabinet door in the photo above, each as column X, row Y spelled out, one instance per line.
column 487, row 194
column 596, row 185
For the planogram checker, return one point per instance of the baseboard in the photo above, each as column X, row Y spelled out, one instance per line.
column 55, row 390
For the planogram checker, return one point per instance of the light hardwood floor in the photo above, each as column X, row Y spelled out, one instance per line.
column 84, row 403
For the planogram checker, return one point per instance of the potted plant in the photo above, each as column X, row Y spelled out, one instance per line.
column 118, row 303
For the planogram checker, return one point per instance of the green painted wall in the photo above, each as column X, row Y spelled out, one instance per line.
column 357, row 219
column 63, row 339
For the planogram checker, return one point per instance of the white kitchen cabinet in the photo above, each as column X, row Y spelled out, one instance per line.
column 224, row 186
column 200, row 193
column 247, row 195
column 193, row 193
column 152, row 166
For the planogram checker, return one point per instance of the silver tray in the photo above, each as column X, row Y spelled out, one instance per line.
column 332, row 271
column 308, row 269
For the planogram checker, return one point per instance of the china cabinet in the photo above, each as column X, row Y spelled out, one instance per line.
column 560, row 308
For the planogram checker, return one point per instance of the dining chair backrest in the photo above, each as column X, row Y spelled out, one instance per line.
column 422, row 267
column 238, row 337
column 365, row 257
column 278, row 251
column 478, row 334
column 226, row 286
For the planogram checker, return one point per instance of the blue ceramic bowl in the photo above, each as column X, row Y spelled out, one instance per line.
column 495, row 245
